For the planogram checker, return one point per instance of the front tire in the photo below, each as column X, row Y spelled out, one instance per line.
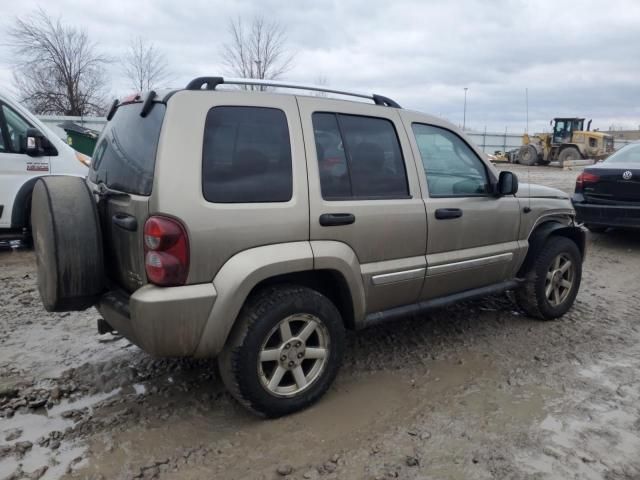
column 552, row 283
column 528, row 155
column 284, row 352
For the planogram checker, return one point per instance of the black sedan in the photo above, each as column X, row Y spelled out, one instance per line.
column 608, row 193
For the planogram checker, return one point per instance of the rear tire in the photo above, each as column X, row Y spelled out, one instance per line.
column 552, row 284
column 569, row 154
column 68, row 244
column 275, row 370
column 527, row 155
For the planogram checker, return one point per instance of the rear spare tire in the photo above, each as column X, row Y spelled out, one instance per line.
column 68, row 244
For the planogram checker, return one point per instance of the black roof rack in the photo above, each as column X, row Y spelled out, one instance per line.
column 210, row 83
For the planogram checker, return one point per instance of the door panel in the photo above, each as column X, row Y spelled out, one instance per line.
column 473, row 235
column 388, row 235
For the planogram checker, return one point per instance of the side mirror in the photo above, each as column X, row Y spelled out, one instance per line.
column 34, row 143
column 507, row 184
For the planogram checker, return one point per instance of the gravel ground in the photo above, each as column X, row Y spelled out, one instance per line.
column 474, row 391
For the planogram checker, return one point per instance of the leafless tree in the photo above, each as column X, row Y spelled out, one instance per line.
column 257, row 49
column 57, row 68
column 145, row 66
column 321, row 81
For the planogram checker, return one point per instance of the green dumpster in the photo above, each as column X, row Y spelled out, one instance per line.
column 80, row 138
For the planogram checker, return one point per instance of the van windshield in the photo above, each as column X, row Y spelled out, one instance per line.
column 125, row 154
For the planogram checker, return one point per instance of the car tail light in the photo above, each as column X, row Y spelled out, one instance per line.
column 166, row 247
column 585, row 177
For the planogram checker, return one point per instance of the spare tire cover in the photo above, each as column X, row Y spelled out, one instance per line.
column 68, row 243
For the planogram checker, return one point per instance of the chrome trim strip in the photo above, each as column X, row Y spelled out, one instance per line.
column 475, row 262
column 394, row 277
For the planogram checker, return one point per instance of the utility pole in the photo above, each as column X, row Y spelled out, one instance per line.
column 464, row 115
column 526, row 99
column 259, row 74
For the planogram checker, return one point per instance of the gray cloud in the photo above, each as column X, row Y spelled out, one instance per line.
column 575, row 57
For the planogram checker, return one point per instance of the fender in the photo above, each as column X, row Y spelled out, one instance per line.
column 22, row 203
column 540, row 235
column 235, row 280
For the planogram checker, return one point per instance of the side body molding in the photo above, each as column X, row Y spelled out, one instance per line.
column 338, row 256
column 238, row 276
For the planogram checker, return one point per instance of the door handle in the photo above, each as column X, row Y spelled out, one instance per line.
column 125, row 221
column 336, row 219
column 447, row 213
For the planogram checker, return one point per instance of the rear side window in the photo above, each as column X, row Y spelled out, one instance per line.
column 246, row 156
column 358, row 157
column 125, row 155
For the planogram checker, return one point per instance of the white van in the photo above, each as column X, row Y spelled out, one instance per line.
column 28, row 150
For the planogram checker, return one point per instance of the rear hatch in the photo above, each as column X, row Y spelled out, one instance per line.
column 122, row 169
column 615, row 184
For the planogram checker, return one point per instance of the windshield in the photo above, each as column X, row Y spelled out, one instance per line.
column 628, row 154
column 125, row 155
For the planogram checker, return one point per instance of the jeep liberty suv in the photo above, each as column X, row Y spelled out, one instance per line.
column 257, row 226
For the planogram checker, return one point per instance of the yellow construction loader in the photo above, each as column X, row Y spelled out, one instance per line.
column 568, row 141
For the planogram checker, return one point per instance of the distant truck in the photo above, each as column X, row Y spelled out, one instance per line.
column 568, row 141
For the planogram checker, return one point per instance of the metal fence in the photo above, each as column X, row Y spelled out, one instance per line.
column 488, row 142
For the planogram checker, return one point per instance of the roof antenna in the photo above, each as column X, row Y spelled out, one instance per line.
column 526, row 101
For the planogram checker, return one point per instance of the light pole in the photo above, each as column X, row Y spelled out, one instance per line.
column 464, row 115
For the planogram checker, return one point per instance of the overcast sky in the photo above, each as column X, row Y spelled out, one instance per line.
column 576, row 58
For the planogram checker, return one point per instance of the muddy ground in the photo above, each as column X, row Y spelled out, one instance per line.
column 474, row 391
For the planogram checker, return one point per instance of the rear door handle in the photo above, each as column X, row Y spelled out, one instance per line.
column 125, row 221
column 446, row 213
column 336, row 219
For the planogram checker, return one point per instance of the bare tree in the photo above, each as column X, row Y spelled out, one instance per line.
column 321, row 81
column 257, row 49
column 145, row 66
column 57, row 69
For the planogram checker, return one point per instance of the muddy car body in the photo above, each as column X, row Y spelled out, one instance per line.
column 257, row 227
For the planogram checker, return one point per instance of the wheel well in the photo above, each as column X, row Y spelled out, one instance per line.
column 22, row 204
column 541, row 234
column 330, row 283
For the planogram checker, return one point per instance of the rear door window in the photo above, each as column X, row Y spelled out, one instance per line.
column 125, row 155
column 359, row 157
column 246, row 156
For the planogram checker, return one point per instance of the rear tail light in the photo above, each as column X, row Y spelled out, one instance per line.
column 585, row 177
column 166, row 247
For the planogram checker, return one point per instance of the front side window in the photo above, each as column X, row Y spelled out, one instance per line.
column 452, row 168
column 246, row 156
column 358, row 157
column 16, row 128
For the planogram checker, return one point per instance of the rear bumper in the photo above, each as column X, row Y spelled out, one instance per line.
column 165, row 322
column 607, row 215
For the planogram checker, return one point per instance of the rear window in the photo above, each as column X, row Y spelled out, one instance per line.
column 628, row 154
column 125, row 155
column 246, row 156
